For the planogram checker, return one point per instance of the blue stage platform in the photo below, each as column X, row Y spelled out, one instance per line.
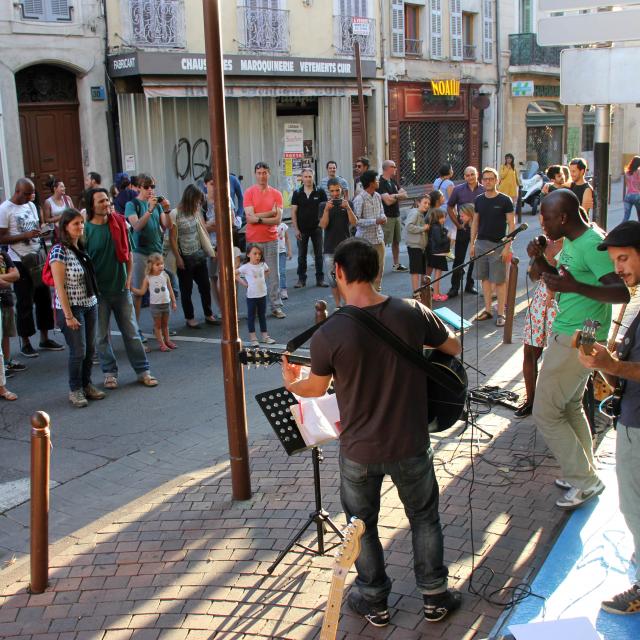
column 589, row 562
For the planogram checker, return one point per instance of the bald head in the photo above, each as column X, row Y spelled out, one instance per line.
column 23, row 191
column 564, row 201
column 561, row 214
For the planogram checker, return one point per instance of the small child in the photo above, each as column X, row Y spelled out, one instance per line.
column 416, row 238
column 252, row 275
column 284, row 254
column 161, row 297
column 438, row 249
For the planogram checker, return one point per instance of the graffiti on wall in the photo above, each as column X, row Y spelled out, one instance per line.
column 191, row 161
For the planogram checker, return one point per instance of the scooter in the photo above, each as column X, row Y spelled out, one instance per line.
column 532, row 180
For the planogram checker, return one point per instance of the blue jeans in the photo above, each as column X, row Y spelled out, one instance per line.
column 631, row 200
column 81, row 343
column 258, row 305
column 417, row 487
column 282, row 264
column 121, row 305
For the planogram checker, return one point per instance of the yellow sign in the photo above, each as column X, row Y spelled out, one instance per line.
column 288, row 167
column 445, row 87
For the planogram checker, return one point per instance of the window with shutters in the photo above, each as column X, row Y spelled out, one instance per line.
column 263, row 25
column 455, row 20
column 155, row 23
column 352, row 24
column 435, row 19
column 412, row 39
column 487, row 31
column 397, row 27
column 468, row 36
column 526, row 16
column 46, row 10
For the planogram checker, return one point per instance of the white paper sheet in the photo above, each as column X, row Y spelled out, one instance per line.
column 573, row 628
column 320, row 419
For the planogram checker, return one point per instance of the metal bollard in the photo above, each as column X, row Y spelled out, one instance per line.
column 40, row 460
column 425, row 294
column 321, row 311
column 512, row 287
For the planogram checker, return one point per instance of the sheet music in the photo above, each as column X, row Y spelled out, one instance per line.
column 317, row 418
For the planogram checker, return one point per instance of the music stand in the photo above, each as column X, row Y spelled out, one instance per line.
column 275, row 406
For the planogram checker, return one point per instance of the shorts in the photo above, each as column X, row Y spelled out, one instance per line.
column 490, row 267
column 539, row 317
column 212, row 267
column 329, row 270
column 438, row 262
column 392, row 230
column 417, row 260
column 139, row 269
column 158, row 310
column 8, row 322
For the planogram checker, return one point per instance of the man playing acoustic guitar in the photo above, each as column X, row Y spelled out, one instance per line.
column 586, row 286
column 383, row 408
column 623, row 369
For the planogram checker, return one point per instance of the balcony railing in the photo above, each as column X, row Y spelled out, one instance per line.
column 265, row 30
column 525, row 51
column 468, row 51
column 155, row 23
column 412, row 48
column 351, row 29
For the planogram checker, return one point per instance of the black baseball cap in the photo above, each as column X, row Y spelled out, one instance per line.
column 626, row 234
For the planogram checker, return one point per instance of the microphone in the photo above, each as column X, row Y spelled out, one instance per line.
column 542, row 241
column 510, row 236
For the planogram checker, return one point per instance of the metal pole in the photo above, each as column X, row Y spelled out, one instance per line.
column 363, row 122
column 512, row 287
column 602, row 137
column 40, row 459
column 231, row 345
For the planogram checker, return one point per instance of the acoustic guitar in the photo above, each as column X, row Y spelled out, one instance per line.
column 346, row 555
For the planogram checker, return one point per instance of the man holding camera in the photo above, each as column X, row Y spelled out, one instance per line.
column 337, row 220
column 623, row 370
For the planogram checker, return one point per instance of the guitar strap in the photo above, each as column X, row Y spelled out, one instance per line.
column 301, row 338
column 628, row 342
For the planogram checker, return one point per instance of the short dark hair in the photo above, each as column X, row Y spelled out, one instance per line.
column 67, row 216
column 358, row 259
column 332, row 182
column 445, row 169
column 208, row 177
column 368, row 177
column 364, row 161
column 96, row 177
column 261, row 165
column 331, row 162
column 553, row 171
column 88, row 200
column 581, row 163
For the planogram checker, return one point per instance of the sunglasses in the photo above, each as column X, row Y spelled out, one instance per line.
column 151, row 186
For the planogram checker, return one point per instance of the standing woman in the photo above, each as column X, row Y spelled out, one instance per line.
column 509, row 179
column 632, row 188
column 55, row 204
column 76, row 305
column 191, row 246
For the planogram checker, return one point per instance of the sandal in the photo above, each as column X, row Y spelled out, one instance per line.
column 501, row 321
column 171, row 345
column 147, row 380
column 484, row 315
column 8, row 395
column 110, row 382
column 164, row 347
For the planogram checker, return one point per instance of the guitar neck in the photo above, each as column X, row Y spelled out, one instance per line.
column 332, row 614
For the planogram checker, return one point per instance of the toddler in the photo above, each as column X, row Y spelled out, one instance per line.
column 284, row 254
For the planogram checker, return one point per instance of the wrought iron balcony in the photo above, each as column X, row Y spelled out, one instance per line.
column 468, row 51
column 155, row 23
column 265, row 30
column 351, row 29
column 526, row 51
column 412, row 48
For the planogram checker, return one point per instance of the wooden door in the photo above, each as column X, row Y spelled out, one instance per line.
column 51, row 146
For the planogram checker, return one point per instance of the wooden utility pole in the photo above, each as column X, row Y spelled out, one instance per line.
column 231, row 345
column 363, row 121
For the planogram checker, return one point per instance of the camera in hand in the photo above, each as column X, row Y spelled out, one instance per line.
column 160, row 198
column 337, row 202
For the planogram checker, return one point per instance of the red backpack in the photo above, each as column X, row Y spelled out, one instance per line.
column 47, row 276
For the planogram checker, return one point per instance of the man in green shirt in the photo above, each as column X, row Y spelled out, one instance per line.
column 113, row 275
column 586, row 286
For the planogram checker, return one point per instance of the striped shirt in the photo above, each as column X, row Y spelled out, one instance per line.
column 368, row 207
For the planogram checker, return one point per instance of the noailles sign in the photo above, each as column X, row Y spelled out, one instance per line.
column 445, row 87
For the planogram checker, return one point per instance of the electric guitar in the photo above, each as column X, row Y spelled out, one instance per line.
column 346, row 555
column 446, row 397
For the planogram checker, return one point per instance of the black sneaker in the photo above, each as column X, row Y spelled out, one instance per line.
column 472, row 290
column 375, row 613
column 523, row 410
column 438, row 606
column 624, row 603
column 11, row 366
column 51, row 345
column 28, row 351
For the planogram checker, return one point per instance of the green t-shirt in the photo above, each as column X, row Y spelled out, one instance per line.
column 111, row 275
column 587, row 265
column 149, row 240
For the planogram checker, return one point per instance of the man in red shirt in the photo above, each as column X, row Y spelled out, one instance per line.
column 263, row 210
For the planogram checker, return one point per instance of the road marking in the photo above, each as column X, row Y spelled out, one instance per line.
column 16, row 492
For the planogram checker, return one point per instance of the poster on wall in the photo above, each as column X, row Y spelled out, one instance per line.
column 129, row 163
column 293, row 140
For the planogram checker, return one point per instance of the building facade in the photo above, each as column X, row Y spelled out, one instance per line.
column 53, row 94
column 290, row 83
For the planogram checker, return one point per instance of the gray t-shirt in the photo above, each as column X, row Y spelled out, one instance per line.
column 630, row 407
column 19, row 218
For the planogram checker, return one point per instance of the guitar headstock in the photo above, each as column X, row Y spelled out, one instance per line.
column 349, row 550
column 259, row 357
column 585, row 338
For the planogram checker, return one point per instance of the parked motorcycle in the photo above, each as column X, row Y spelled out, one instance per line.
column 532, row 179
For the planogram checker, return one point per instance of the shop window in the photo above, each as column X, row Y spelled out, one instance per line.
column 46, row 10
column 424, row 146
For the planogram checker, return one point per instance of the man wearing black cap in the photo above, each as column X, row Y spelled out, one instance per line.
column 623, row 369
column 586, row 286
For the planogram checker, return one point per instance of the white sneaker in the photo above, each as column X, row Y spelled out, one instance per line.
column 561, row 483
column 576, row 497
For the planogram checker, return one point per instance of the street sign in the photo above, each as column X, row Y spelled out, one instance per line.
column 589, row 28
column 600, row 76
column 572, row 5
column 522, row 89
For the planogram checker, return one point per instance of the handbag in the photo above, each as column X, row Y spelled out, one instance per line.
column 34, row 264
column 203, row 236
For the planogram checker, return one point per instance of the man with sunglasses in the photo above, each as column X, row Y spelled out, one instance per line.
column 362, row 165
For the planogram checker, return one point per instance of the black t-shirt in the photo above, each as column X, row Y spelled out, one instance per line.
column 579, row 190
column 492, row 212
column 337, row 230
column 382, row 397
column 6, row 295
column 309, row 212
column 389, row 186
